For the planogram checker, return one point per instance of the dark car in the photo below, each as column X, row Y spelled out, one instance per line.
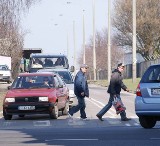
column 147, row 102
column 36, row 93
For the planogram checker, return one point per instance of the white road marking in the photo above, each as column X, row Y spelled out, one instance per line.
column 72, row 139
column 42, row 123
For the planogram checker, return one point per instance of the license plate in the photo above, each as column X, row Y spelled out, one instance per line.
column 26, row 108
column 155, row 91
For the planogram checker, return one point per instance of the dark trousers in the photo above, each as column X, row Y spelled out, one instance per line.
column 81, row 106
column 109, row 105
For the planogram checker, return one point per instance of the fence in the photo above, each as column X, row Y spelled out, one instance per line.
column 141, row 68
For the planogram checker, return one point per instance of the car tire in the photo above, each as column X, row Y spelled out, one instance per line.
column 66, row 108
column 21, row 116
column 6, row 116
column 147, row 121
column 54, row 112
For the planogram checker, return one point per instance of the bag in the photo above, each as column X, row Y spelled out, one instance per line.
column 118, row 105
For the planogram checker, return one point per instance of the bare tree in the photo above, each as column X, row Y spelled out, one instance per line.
column 148, row 26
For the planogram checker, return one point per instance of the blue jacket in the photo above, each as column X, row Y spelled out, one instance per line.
column 81, row 85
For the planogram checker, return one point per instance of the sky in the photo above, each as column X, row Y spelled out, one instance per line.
column 50, row 22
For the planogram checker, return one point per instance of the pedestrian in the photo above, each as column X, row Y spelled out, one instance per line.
column 114, row 89
column 81, row 91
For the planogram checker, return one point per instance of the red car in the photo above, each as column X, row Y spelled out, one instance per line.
column 36, row 93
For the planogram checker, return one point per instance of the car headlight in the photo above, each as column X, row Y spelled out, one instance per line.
column 43, row 98
column 10, row 100
column 71, row 93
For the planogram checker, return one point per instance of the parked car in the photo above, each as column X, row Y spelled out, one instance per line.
column 5, row 74
column 65, row 74
column 147, row 102
column 36, row 93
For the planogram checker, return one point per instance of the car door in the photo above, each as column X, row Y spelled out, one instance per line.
column 60, row 92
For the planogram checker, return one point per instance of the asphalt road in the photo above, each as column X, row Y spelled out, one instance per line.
column 40, row 130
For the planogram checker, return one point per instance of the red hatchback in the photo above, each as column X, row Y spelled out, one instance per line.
column 36, row 93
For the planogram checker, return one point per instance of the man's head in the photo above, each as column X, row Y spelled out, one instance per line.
column 84, row 68
column 37, row 61
column 120, row 67
column 45, row 79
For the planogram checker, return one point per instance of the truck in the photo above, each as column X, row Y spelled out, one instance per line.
column 33, row 60
column 5, row 69
column 26, row 52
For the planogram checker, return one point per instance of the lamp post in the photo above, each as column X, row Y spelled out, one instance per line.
column 134, row 42
column 74, row 43
column 84, row 50
column 94, row 49
column 109, row 44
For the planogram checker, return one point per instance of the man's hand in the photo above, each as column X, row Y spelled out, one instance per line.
column 127, row 90
column 82, row 93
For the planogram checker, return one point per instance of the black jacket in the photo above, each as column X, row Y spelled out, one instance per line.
column 81, row 85
column 116, row 83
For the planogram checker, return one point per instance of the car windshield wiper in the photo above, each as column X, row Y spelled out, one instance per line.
column 155, row 81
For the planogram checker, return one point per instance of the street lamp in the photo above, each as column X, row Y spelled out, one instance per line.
column 74, row 42
column 84, row 50
column 109, row 44
column 94, row 50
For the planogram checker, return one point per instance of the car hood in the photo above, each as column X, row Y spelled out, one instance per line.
column 29, row 92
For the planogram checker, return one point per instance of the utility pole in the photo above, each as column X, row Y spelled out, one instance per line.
column 94, row 49
column 134, row 70
column 67, row 46
column 84, row 50
column 74, row 41
column 109, row 44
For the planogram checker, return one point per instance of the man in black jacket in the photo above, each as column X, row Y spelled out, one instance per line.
column 81, row 90
column 114, row 90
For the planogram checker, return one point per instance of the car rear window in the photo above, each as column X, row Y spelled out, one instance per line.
column 152, row 75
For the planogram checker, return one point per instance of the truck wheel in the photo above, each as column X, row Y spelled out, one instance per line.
column 54, row 112
column 6, row 116
column 66, row 108
column 147, row 121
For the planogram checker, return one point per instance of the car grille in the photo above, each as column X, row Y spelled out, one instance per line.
column 26, row 99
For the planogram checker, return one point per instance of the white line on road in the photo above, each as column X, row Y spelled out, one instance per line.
column 72, row 139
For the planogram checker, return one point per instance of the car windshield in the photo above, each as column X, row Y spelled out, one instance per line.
column 3, row 67
column 152, row 75
column 67, row 78
column 33, row 82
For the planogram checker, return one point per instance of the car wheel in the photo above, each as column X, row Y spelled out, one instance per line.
column 6, row 116
column 21, row 116
column 54, row 112
column 66, row 109
column 147, row 121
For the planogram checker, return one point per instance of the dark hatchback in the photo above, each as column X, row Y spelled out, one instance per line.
column 30, row 94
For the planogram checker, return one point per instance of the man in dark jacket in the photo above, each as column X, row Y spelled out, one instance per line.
column 80, row 90
column 114, row 90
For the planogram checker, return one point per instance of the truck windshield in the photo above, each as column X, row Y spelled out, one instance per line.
column 39, row 62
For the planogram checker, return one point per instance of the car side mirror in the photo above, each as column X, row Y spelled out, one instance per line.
column 72, row 69
column 60, row 86
column 9, row 87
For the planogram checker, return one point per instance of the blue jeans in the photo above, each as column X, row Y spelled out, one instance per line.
column 81, row 106
column 109, row 105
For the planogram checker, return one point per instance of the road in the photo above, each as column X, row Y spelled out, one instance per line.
column 40, row 130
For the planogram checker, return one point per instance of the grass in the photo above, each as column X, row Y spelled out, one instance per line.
column 128, row 82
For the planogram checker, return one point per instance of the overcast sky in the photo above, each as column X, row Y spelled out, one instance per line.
column 49, row 21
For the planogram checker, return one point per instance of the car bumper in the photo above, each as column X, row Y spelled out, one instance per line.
column 5, row 78
column 40, row 108
column 149, row 109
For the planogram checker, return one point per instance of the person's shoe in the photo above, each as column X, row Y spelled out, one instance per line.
column 85, row 119
column 126, row 119
column 70, row 116
column 100, row 118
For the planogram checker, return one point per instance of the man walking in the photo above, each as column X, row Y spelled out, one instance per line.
column 81, row 91
column 114, row 90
